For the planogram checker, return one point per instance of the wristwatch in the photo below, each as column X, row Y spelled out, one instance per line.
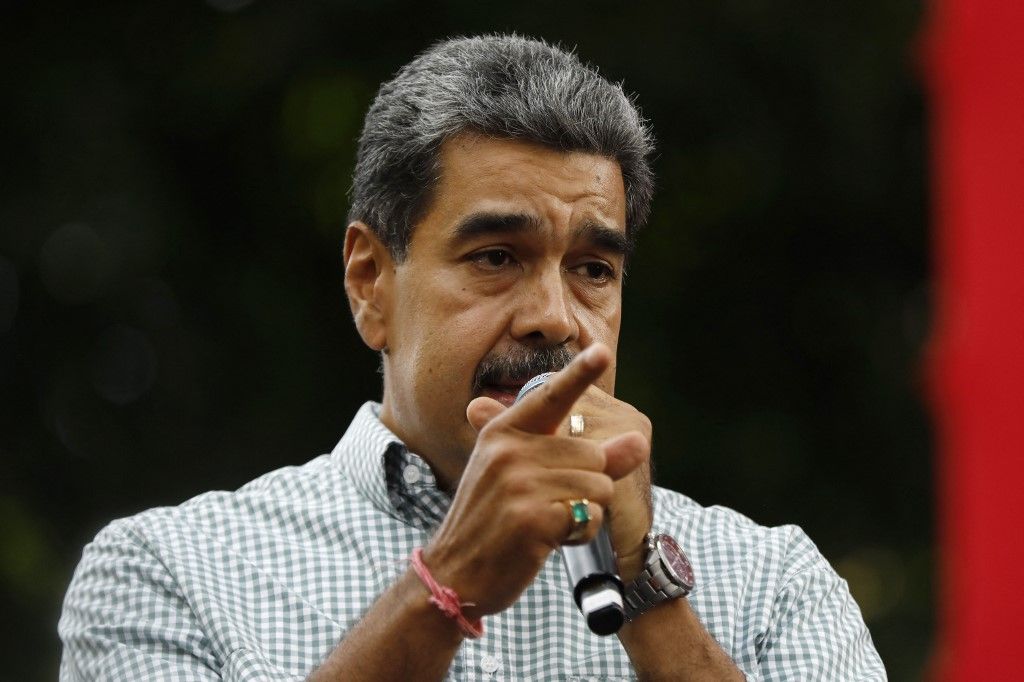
column 667, row 575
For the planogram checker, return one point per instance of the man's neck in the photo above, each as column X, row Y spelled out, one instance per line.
column 446, row 466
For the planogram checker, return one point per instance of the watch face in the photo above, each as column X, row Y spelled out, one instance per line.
column 675, row 562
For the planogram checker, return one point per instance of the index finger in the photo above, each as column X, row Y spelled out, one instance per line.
column 545, row 407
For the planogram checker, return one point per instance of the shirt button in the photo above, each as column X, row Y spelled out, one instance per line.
column 489, row 664
column 411, row 474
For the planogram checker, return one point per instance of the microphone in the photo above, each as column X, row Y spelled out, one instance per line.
column 592, row 570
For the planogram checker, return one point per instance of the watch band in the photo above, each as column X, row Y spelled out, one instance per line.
column 652, row 586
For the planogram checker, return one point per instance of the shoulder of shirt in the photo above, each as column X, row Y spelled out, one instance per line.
column 285, row 491
column 724, row 537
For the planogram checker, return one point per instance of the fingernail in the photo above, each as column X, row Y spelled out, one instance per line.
column 589, row 357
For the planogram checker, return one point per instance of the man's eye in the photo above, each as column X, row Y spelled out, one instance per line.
column 596, row 271
column 493, row 259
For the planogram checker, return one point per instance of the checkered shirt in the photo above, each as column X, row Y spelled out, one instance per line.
column 262, row 583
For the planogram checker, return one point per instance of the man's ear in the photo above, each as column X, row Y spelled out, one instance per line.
column 369, row 275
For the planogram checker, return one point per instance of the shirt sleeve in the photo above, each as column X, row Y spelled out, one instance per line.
column 125, row 618
column 816, row 629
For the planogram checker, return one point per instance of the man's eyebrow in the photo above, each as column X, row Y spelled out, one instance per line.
column 604, row 237
column 490, row 223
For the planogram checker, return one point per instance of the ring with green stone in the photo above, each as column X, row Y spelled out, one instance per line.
column 579, row 513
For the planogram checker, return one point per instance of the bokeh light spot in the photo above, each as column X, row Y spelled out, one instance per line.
column 877, row 580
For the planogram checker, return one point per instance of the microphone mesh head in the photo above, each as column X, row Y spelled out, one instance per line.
column 532, row 384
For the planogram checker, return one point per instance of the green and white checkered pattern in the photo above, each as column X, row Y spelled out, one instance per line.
column 262, row 583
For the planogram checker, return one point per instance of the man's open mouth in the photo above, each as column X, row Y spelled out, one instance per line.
column 504, row 390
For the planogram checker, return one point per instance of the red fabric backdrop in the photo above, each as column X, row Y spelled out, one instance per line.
column 975, row 52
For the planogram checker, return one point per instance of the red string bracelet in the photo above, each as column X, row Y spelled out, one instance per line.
column 445, row 598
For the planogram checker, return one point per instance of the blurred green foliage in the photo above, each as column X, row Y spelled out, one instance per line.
column 171, row 311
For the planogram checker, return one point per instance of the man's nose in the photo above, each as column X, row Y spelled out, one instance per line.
column 544, row 314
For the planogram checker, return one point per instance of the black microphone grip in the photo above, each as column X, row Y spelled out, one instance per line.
column 592, row 570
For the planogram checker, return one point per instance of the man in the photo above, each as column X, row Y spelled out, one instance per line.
column 498, row 188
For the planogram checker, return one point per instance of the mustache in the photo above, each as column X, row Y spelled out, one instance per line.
column 519, row 365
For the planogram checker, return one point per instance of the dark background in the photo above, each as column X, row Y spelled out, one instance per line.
column 172, row 318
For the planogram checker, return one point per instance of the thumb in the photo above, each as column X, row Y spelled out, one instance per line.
column 481, row 411
column 624, row 453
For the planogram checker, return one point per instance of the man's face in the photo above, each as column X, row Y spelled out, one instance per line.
column 521, row 251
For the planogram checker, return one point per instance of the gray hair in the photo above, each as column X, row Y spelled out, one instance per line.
column 504, row 86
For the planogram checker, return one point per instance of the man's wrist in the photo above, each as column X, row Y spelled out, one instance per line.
column 669, row 643
column 665, row 575
column 631, row 564
column 403, row 613
column 416, row 598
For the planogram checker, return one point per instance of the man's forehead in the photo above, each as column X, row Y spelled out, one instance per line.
column 525, row 180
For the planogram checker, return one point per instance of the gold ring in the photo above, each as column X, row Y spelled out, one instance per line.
column 579, row 515
column 576, row 425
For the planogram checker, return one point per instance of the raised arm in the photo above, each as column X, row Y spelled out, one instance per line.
column 506, row 518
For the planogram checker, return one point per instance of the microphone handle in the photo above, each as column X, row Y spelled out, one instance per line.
column 597, row 587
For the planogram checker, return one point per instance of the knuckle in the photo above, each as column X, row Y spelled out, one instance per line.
column 492, row 430
column 645, row 421
column 502, row 453
column 521, row 518
column 519, row 483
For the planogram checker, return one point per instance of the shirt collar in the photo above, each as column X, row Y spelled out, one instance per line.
column 384, row 471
